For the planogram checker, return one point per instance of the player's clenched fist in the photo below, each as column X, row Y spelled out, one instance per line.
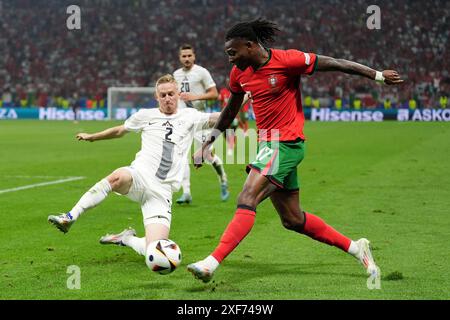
column 391, row 77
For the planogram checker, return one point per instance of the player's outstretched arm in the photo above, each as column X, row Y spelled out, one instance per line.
column 111, row 133
column 325, row 63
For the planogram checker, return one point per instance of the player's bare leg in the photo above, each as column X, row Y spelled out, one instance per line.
column 293, row 218
column 255, row 190
column 119, row 181
column 156, row 231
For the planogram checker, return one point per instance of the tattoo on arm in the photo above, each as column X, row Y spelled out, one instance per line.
column 331, row 64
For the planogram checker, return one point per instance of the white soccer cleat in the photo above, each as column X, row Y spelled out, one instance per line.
column 118, row 238
column 63, row 221
column 365, row 257
column 200, row 271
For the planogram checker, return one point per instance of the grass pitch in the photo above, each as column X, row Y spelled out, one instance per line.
column 388, row 182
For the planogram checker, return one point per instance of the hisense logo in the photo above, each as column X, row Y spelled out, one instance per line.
column 57, row 114
column 326, row 114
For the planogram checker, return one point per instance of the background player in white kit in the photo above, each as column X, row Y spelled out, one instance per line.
column 156, row 172
column 196, row 86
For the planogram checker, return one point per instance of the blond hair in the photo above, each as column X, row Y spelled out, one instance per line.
column 168, row 78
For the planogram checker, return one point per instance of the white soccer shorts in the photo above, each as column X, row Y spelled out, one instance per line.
column 155, row 197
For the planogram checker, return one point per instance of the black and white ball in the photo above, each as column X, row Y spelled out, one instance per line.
column 163, row 256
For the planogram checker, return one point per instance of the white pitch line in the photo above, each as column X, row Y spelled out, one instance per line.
column 41, row 184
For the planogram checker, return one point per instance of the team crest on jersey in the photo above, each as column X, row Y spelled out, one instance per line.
column 167, row 124
column 273, row 83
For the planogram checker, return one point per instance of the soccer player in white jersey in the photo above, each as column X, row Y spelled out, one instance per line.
column 166, row 133
column 196, row 86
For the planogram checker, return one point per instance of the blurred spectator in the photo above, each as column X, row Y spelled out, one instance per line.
column 132, row 43
column 7, row 98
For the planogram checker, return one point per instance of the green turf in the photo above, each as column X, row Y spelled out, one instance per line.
column 388, row 182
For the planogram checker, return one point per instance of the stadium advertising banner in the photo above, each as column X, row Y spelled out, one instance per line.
column 374, row 115
column 322, row 114
column 51, row 114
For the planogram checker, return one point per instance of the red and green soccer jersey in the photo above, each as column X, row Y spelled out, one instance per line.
column 275, row 93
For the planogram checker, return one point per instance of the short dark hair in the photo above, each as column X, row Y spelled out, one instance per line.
column 259, row 30
column 186, row 46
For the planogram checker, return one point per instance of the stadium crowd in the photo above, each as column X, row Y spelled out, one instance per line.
column 133, row 42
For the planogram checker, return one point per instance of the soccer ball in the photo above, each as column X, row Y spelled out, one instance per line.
column 163, row 256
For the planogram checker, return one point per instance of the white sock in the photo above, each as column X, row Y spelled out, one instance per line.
column 353, row 249
column 186, row 182
column 92, row 198
column 211, row 263
column 218, row 166
column 135, row 243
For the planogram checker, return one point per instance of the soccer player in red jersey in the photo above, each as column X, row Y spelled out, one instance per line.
column 273, row 78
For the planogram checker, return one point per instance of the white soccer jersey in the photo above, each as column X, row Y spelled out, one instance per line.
column 166, row 140
column 196, row 80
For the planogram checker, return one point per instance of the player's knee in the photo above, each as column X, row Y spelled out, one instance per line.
column 112, row 180
column 248, row 196
column 118, row 181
